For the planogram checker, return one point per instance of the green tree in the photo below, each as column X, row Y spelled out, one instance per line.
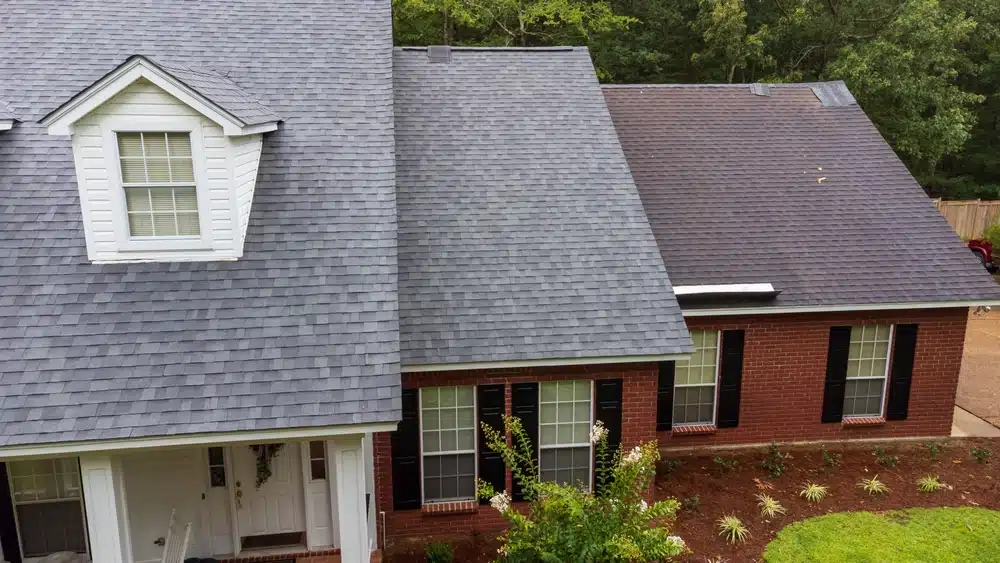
column 905, row 80
column 728, row 44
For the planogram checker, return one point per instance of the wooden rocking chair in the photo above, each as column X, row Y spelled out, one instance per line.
column 175, row 547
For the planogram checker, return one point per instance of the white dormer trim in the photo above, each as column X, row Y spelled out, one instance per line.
column 6, row 124
column 60, row 121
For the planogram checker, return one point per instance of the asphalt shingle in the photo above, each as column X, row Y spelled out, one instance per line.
column 796, row 188
column 300, row 332
column 521, row 233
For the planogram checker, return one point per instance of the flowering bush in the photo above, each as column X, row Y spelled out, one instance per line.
column 567, row 522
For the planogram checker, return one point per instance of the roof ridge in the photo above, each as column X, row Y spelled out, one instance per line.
column 735, row 85
column 477, row 48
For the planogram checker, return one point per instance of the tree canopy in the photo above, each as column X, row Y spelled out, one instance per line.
column 925, row 71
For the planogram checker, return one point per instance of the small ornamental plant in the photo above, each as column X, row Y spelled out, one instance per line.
column 884, row 458
column 774, row 463
column 930, row 484
column 873, row 486
column 769, row 507
column 981, row 455
column 570, row 522
column 726, row 465
column 733, row 529
column 813, row 492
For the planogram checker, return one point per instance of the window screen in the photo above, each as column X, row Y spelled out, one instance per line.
column 565, row 419
column 695, row 380
column 867, row 368
column 448, row 443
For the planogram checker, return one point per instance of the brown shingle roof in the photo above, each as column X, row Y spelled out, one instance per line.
column 784, row 188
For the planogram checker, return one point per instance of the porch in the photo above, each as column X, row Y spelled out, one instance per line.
column 293, row 502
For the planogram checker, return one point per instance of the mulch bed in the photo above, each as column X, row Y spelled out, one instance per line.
column 733, row 493
column 720, row 494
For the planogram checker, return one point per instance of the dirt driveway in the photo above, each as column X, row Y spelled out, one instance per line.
column 979, row 384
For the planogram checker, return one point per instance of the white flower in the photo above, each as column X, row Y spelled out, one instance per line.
column 633, row 456
column 643, row 507
column 677, row 541
column 598, row 432
column 501, row 502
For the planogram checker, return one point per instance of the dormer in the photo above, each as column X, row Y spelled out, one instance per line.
column 166, row 161
column 7, row 118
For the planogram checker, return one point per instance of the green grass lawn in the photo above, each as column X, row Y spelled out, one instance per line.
column 919, row 535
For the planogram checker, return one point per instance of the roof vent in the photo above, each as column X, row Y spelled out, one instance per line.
column 834, row 94
column 439, row 54
column 760, row 89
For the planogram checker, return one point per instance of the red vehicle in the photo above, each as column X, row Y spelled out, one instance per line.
column 984, row 251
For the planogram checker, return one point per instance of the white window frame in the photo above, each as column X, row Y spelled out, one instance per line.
column 79, row 499
column 209, row 465
column 311, row 459
column 593, row 409
column 110, row 128
column 474, row 451
column 885, row 376
column 715, row 386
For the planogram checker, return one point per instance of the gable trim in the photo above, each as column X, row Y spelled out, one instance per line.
column 838, row 308
column 214, row 438
column 60, row 121
column 6, row 124
column 421, row 368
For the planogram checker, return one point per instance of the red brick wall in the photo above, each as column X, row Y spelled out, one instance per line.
column 638, row 425
column 784, row 367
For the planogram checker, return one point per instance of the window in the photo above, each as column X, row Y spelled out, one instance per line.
column 695, row 381
column 45, row 479
column 158, row 177
column 565, row 418
column 216, row 467
column 448, row 443
column 867, row 370
column 317, row 460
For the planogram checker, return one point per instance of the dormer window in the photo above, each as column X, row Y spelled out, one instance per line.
column 157, row 173
column 166, row 159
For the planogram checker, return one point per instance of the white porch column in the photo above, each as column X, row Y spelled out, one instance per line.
column 348, row 496
column 104, row 501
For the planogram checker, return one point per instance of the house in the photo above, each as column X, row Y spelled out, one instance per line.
column 197, row 275
column 264, row 276
column 240, row 243
column 826, row 297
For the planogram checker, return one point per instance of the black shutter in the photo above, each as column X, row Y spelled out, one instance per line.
column 836, row 374
column 524, row 405
column 903, row 353
column 665, row 397
column 730, row 378
column 490, row 399
column 406, row 476
column 8, row 533
column 608, row 397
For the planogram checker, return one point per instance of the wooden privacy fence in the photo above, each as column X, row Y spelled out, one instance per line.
column 969, row 218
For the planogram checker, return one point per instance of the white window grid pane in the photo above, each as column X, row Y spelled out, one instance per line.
column 573, row 404
column 171, row 222
column 705, row 366
column 448, row 478
column 449, row 407
column 867, row 370
column 49, row 480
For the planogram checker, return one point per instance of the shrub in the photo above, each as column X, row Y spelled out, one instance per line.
column 572, row 523
column 992, row 234
column 668, row 467
column 813, row 492
column 726, row 465
column 439, row 552
column 769, row 507
column 830, row 459
column 873, row 486
column 774, row 463
column 732, row 528
column 691, row 503
column 933, row 449
column 930, row 484
column 883, row 458
column 981, row 455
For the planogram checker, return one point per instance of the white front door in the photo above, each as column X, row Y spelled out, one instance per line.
column 277, row 507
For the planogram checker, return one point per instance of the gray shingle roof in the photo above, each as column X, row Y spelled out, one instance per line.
column 521, row 233
column 6, row 114
column 302, row 331
column 221, row 91
column 796, row 188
